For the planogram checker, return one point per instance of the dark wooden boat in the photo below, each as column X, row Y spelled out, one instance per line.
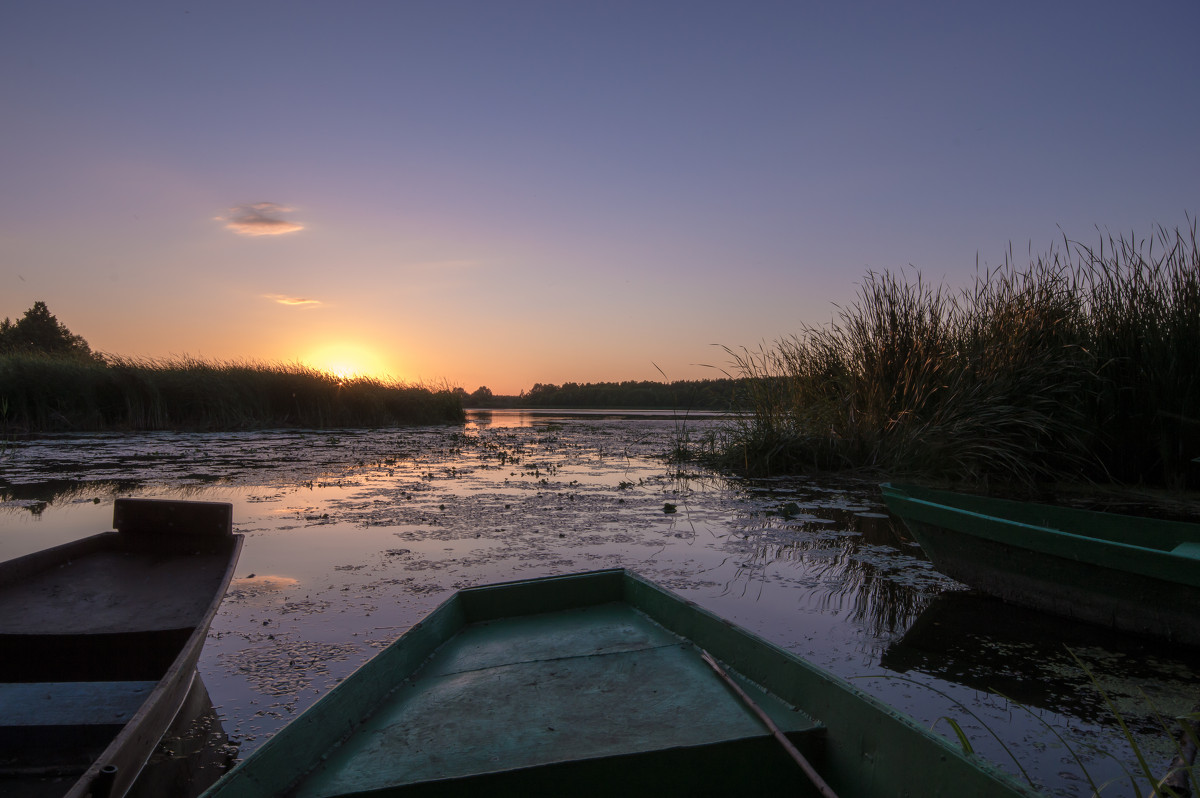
column 597, row 684
column 1130, row 573
column 98, row 644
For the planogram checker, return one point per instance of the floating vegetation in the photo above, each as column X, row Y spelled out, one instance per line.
column 812, row 564
column 287, row 668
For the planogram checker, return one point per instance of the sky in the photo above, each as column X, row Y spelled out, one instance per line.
column 502, row 193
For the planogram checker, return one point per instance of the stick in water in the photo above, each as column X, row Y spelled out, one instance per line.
column 804, row 764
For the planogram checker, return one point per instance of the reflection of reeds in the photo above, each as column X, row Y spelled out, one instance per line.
column 848, row 577
column 1087, row 362
column 45, row 393
column 36, row 496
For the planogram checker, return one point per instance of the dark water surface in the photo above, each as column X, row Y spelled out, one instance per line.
column 354, row 535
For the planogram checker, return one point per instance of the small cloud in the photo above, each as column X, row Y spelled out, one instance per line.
column 284, row 299
column 259, row 219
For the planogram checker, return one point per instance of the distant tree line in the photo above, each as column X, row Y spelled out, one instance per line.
column 717, row 394
column 38, row 332
column 50, row 380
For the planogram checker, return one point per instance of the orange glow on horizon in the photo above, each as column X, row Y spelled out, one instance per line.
column 346, row 361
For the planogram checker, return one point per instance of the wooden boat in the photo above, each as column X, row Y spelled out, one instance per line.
column 1134, row 574
column 98, row 644
column 596, row 684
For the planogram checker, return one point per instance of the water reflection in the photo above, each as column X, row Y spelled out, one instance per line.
column 193, row 753
column 354, row 535
column 35, row 497
column 852, row 557
column 1035, row 659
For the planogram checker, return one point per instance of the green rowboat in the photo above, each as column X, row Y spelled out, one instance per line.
column 1134, row 574
column 597, row 684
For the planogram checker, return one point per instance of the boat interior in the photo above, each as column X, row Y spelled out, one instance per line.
column 86, row 634
column 591, row 696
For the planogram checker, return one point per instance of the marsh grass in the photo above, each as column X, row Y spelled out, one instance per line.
column 1180, row 781
column 45, row 394
column 1084, row 363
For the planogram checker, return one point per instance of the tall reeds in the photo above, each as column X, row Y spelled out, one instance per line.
column 1085, row 363
column 45, row 393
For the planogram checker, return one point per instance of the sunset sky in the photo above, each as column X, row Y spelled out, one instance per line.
column 502, row 193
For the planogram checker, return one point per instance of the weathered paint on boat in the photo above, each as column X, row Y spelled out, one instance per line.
column 98, row 644
column 593, row 684
column 1134, row 574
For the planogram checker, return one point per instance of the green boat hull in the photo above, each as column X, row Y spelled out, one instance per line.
column 593, row 684
column 1134, row 574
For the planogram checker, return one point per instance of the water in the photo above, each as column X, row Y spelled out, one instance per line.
column 354, row 535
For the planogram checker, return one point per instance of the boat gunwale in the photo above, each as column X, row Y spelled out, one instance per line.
column 1146, row 561
column 134, row 744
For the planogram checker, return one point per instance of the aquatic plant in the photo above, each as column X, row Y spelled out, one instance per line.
column 42, row 393
column 1180, row 780
column 1084, row 363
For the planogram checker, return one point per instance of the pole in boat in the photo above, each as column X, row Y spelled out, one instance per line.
column 804, row 764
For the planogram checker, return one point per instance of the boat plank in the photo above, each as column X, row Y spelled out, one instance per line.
column 94, row 594
column 601, row 629
column 1189, row 549
column 71, row 703
column 561, row 695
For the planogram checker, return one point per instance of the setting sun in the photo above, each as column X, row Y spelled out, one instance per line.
column 350, row 360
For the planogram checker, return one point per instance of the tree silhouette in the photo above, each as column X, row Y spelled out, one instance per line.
column 482, row 397
column 41, row 333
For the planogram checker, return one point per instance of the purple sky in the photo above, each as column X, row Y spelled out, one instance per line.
column 502, row 193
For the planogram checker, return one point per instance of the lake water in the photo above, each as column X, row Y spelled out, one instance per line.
column 354, row 535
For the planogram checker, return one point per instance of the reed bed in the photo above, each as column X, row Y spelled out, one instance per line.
column 1083, row 364
column 46, row 394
